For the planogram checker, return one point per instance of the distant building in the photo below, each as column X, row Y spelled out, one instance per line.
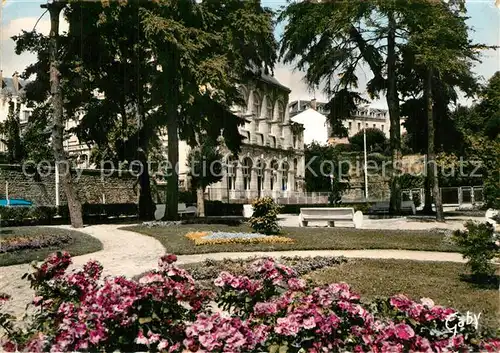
column 11, row 90
column 364, row 117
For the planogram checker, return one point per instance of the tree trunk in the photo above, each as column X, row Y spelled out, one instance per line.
column 427, row 189
column 75, row 208
column 146, row 204
column 395, row 129
column 171, row 211
column 432, row 175
column 200, row 201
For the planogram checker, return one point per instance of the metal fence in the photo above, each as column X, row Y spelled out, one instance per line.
column 285, row 197
column 462, row 196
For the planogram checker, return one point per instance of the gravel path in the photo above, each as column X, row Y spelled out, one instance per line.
column 130, row 254
column 124, row 253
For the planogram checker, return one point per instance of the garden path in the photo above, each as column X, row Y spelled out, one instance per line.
column 123, row 253
column 130, row 254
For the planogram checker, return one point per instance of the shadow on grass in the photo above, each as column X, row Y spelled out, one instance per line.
column 481, row 282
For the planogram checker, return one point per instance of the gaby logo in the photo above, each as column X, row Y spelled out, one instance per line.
column 454, row 322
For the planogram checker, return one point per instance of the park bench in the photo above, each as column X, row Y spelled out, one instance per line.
column 330, row 215
column 383, row 207
column 181, row 210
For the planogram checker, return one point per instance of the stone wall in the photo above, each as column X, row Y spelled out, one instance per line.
column 91, row 186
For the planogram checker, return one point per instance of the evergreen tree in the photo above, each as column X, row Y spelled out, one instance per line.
column 205, row 43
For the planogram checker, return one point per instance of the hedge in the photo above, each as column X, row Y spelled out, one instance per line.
column 43, row 215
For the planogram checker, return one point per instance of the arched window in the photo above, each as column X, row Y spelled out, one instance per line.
column 281, row 112
column 284, row 176
column 232, row 164
column 272, row 141
column 256, row 104
column 247, row 173
column 269, row 108
column 274, row 171
column 244, row 94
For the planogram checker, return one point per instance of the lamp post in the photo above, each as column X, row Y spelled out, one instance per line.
column 366, row 166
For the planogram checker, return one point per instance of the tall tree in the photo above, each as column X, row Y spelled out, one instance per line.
column 330, row 39
column 124, row 126
column 442, row 53
column 200, row 43
column 62, row 164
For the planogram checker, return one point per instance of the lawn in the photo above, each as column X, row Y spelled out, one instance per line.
column 174, row 241
column 439, row 281
column 36, row 243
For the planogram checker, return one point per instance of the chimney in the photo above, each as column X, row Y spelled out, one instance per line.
column 15, row 82
column 313, row 103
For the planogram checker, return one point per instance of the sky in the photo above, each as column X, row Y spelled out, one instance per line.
column 18, row 15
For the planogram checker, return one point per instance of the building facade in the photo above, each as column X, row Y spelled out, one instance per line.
column 364, row 117
column 11, row 91
column 271, row 161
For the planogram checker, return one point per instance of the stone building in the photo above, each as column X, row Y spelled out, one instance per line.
column 364, row 117
column 271, row 161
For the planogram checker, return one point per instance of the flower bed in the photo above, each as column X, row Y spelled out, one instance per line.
column 212, row 238
column 275, row 310
column 207, row 271
column 32, row 241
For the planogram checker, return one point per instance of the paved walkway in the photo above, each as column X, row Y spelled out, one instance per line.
column 130, row 254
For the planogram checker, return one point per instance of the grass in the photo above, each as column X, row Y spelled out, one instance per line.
column 440, row 281
column 174, row 241
column 78, row 244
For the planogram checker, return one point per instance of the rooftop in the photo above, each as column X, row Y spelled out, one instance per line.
column 7, row 85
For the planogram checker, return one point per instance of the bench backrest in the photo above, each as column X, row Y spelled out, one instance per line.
column 328, row 211
column 181, row 207
column 407, row 204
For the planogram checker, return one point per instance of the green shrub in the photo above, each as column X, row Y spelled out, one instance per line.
column 479, row 245
column 265, row 216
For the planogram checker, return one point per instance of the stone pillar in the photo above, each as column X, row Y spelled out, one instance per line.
column 254, row 192
column 267, row 180
column 239, row 193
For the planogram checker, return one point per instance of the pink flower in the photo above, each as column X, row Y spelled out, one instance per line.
column 263, row 309
column 296, row 284
column 401, row 302
column 309, row 323
column 287, row 326
column 162, row 345
column 141, row 339
column 404, row 331
column 5, row 297
column 169, row 258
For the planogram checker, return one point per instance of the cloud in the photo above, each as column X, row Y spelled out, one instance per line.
column 12, row 62
column 17, row 25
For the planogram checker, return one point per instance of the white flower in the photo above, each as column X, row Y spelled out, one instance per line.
column 428, row 302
